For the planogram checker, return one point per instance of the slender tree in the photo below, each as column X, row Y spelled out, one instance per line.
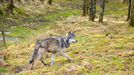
column 129, row 9
column 50, row 2
column 92, row 9
column 20, row 1
column 3, row 35
column 85, row 7
column 10, row 7
column 102, row 8
column 2, row 29
column 132, row 13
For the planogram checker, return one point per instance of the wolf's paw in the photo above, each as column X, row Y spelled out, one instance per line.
column 51, row 64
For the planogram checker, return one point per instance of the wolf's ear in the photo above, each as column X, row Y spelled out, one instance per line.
column 67, row 33
column 74, row 31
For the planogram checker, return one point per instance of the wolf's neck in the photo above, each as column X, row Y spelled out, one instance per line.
column 64, row 42
column 67, row 42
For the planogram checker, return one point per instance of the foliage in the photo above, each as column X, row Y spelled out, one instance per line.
column 1, row 12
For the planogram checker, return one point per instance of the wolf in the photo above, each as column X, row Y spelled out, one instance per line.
column 53, row 45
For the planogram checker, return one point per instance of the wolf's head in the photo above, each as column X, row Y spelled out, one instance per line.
column 71, row 37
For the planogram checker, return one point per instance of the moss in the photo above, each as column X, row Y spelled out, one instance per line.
column 3, row 70
column 19, row 31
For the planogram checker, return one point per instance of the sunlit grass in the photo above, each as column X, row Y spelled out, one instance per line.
column 96, row 49
column 117, row 9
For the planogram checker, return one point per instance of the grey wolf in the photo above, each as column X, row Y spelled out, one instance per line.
column 53, row 45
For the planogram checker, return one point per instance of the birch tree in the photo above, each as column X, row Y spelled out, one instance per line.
column 129, row 10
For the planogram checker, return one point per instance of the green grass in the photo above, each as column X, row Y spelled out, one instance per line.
column 20, row 32
column 62, row 14
column 95, row 49
column 117, row 9
column 3, row 70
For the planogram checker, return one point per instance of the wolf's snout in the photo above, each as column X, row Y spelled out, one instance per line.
column 75, row 41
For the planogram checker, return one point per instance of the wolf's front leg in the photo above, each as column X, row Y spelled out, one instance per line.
column 52, row 59
column 67, row 56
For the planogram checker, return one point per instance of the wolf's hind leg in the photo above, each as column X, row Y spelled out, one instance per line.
column 32, row 64
column 40, row 57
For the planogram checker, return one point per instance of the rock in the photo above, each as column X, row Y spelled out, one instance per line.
column 88, row 66
column 126, row 53
column 3, row 58
column 18, row 69
column 119, row 54
column 82, row 57
column 3, row 63
column 72, row 69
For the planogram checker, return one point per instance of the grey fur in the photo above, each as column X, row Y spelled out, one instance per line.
column 53, row 45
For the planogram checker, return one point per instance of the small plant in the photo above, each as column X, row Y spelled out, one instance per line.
column 3, row 70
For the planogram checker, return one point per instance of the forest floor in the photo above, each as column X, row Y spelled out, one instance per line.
column 102, row 49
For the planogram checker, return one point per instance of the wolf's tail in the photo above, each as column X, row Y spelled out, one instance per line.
column 34, row 53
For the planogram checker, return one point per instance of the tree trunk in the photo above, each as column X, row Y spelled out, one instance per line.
column 85, row 7
column 129, row 10
column 102, row 8
column 92, row 9
column 50, row 2
column 11, row 6
column 3, row 35
column 132, row 13
column 2, row 31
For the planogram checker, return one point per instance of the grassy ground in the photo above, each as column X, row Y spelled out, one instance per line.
column 102, row 49
column 94, row 54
